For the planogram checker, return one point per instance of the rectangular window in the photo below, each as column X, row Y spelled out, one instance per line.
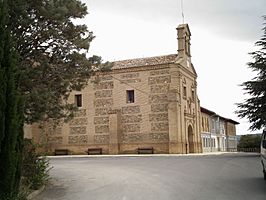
column 184, row 91
column 213, row 125
column 130, row 96
column 78, row 100
column 193, row 95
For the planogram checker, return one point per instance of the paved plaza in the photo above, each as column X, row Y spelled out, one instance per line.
column 221, row 177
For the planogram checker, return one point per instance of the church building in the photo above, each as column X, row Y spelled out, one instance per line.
column 141, row 105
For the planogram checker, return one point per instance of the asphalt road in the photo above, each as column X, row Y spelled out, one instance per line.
column 214, row 177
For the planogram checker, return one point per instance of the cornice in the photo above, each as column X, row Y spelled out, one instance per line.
column 135, row 69
column 188, row 71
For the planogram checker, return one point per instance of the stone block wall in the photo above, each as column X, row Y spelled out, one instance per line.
column 159, row 83
column 103, row 103
column 51, row 133
column 77, row 132
column 144, row 123
column 131, row 116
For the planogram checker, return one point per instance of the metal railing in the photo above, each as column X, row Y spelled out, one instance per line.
column 248, row 149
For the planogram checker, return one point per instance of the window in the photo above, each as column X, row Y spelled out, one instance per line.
column 205, row 142
column 184, row 91
column 214, row 143
column 213, row 125
column 78, row 100
column 193, row 95
column 130, row 96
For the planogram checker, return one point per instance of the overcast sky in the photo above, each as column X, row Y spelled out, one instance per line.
column 223, row 33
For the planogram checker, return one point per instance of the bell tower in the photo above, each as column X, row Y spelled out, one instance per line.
column 183, row 38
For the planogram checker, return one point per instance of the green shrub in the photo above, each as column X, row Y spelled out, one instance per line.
column 20, row 196
column 35, row 170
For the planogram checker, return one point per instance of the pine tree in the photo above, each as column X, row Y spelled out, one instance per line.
column 52, row 48
column 254, row 108
column 11, row 112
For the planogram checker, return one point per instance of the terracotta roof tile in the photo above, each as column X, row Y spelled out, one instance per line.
column 140, row 62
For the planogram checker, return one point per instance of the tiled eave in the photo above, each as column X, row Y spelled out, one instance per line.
column 142, row 62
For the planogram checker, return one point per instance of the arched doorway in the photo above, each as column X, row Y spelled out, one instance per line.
column 190, row 139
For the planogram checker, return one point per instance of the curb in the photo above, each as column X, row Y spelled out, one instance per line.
column 150, row 155
column 35, row 193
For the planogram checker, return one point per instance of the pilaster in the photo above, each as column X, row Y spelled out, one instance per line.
column 114, row 131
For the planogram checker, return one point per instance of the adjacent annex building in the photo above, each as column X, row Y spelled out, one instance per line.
column 218, row 133
column 141, row 104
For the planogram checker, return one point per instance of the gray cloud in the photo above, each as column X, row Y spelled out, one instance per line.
column 234, row 19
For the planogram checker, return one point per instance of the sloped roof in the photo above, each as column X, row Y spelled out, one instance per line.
column 181, row 26
column 148, row 61
column 207, row 111
column 232, row 121
column 211, row 113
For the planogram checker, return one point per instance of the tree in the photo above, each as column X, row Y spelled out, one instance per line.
column 11, row 112
column 42, row 59
column 52, row 49
column 254, row 108
column 249, row 141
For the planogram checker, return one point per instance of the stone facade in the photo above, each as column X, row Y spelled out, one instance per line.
column 146, row 102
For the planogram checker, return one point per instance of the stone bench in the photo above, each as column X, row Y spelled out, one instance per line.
column 60, row 152
column 95, row 151
column 145, row 150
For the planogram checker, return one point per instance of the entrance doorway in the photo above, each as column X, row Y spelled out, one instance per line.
column 190, row 139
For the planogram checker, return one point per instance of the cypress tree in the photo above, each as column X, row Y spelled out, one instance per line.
column 11, row 112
